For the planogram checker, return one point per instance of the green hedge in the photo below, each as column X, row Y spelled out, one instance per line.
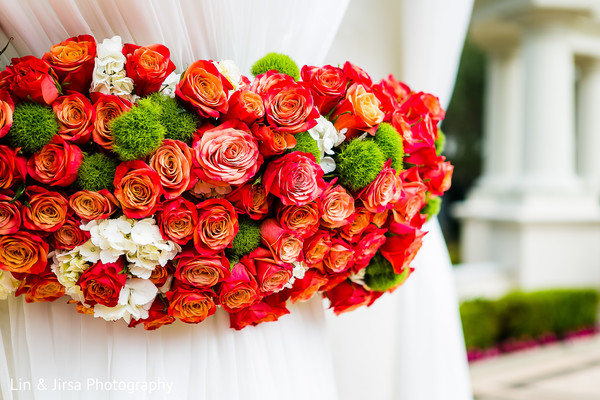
column 528, row 315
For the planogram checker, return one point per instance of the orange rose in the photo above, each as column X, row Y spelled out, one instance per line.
column 70, row 235
column 173, row 162
column 413, row 199
column 286, row 245
column 7, row 107
column 138, row 189
column 73, row 62
column 159, row 275
column 272, row 141
column 340, row 257
column 251, row 199
column 107, row 108
column 56, row 163
column 240, row 290
column 47, row 210
column 246, row 106
column 358, row 112
column 379, row 219
column 75, row 117
column 372, row 239
column 303, row 289
column 10, row 217
column 13, row 168
column 40, row 288
column 289, row 107
column 383, row 192
column 337, row 207
column 317, row 247
column 217, row 226
column 201, row 271
column 148, row 66
column 204, row 88
column 302, row 220
column 23, row 252
column 191, row 306
column 271, row 274
column 177, row 220
column 361, row 220
column 93, row 205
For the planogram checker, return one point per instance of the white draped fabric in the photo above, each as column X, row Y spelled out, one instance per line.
column 289, row 359
column 409, row 344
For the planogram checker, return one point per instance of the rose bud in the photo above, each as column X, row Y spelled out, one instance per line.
column 317, row 247
column 107, row 108
column 33, row 80
column 56, row 163
column 340, row 257
column 271, row 275
column 102, row 283
column 73, row 62
column 76, row 117
column 148, row 66
column 303, row 289
column 217, row 226
column 289, row 107
column 7, row 107
column 23, row 252
column 272, row 141
column 383, row 192
column 245, row 106
column 138, row 188
column 47, row 210
column 286, row 245
column 189, row 305
column 360, row 221
column 372, row 239
column 173, row 163
column 201, row 271
column 402, row 245
column 240, row 289
column 70, row 235
column 251, row 199
column 13, row 168
column 348, row 296
column 337, row 206
column 10, row 216
column 269, row 309
column 295, row 178
column 359, row 111
column 90, row 205
column 327, row 85
column 41, row 288
column 204, row 88
column 157, row 317
column 177, row 220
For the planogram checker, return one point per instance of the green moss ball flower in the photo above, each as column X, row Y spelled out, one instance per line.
column 380, row 276
column 96, row 172
column 138, row 132
column 247, row 238
column 306, row 144
column 359, row 163
column 432, row 206
column 277, row 62
column 440, row 142
column 390, row 142
column 33, row 127
column 179, row 123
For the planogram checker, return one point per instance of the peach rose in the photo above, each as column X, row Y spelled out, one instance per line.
column 240, row 290
column 90, row 205
column 226, row 155
column 413, row 199
column 107, row 108
column 13, row 168
column 289, row 107
column 10, row 217
column 47, row 211
column 380, row 219
column 286, row 245
column 7, row 107
column 272, row 141
column 148, row 66
column 340, row 257
column 56, row 164
column 263, row 82
column 73, row 62
column 201, row 271
column 40, row 288
column 173, row 162
column 302, row 220
column 217, row 226
column 317, row 247
column 23, row 252
column 383, row 192
column 70, row 235
column 75, row 117
column 359, row 111
column 251, row 199
column 361, row 220
column 246, row 106
column 337, row 207
column 138, row 189
column 177, row 220
column 271, row 274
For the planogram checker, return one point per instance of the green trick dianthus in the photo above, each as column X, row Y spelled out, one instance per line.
column 138, row 132
column 96, row 172
column 440, row 142
column 33, row 127
column 359, row 163
column 432, row 207
column 306, row 144
column 277, row 62
column 380, row 275
column 246, row 240
column 179, row 123
column 390, row 142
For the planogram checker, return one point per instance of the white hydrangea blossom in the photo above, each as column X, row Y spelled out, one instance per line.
column 135, row 299
column 230, row 71
column 169, row 84
column 109, row 75
column 359, row 277
column 327, row 137
column 298, row 272
column 68, row 267
column 8, row 284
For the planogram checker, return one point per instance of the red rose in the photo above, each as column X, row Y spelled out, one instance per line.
column 23, row 252
column 337, row 206
column 272, row 141
column 380, row 219
column 204, row 88
column 245, row 106
column 201, row 271
column 73, row 62
column 402, row 245
column 240, row 289
column 177, row 219
column 13, row 168
column 102, row 283
column 75, row 116
column 226, row 155
column 148, row 66
column 191, row 306
column 33, row 79
column 295, row 178
column 138, row 188
column 340, row 257
column 418, row 105
column 270, row 309
column 10, row 217
column 6, row 78
column 413, row 199
column 7, row 107
column 173, row 162
column 107, row 108
column 160, row 275
column 372, row 239
column 286, row 245
column 419, row 142
column 327, row 85
column 302, row 220
column 356, row 74
column 303, row 289
column 217, row 226
column 56, row 163
column 157, row 317
column 271, row 274
column 69, row 235
column 93, row 205
column 251, row 199
column 438, row 179
column 40, row 288
column 290, row 107
column 360, row 221
column 383, row 192
column 47, row 211
column 317, row 247
column 390, row 93
column 348, row 296
column 263, row 82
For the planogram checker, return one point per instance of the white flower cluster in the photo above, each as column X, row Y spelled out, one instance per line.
column 109, row 70
column 327, row 137
column 167, row 88
column 230, row 71
column 298, row 272
column 8, row 284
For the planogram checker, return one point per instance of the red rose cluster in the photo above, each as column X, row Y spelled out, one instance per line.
column 316, row 236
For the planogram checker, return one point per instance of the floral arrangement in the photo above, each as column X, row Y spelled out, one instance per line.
column 145, row 195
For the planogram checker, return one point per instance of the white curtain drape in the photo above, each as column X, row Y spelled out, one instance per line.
column 290, row 359
column 409, row 344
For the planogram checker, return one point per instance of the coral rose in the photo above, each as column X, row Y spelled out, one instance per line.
column 271, row 274
column 75, row 117
column 303, row 289
column 40, row 288
column 189, row 305
column 90, row 205
column 251, row 199
column 201, row 271
column 439, row 178
column 102, row 283
column 289, row 107
column 402, row 245
column 317, row 247
column 413, row 198
column 240, row 289
column 204, row 88
column 148, row 66
column 272, row 141
column 33, row 80
column 340, row 257
column 73, row 62
column 226, row 155
column 383, row 192
column 107, row 108
column 173, row 163
column 337, row 207
column 286, row 245
column 348, row 296
column 10, row 217
column 157, row 317
column 56, row 164
column 138, row 188
column 302, row 220
column 177, row 220
column 7, row 107
column 372, row 239
column 69, row 235
column 217, row 226
column 263, row 82
column 47, row 211
column 246, row 106
column 359, row 111
column 23, row 252
column 269, row 309
column 356, row 74
column 295, row 178
column 360, row 221
column 327, row 85
column 13, row 168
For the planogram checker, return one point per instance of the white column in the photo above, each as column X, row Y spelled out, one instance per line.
column 549, row 129
column 588, row 135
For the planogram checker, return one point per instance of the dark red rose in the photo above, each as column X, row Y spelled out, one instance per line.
column 33, row 79
column 148, row 66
